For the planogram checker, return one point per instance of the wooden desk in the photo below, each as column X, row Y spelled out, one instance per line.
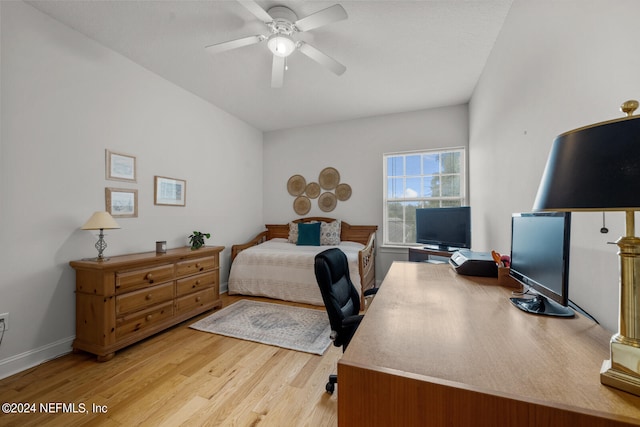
column 436, row 348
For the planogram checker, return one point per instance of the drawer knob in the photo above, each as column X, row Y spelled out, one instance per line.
column 197, row 265
column 148, row 318
column 197, row 282
column 149, row 277
column 148, row 297
column 198, row 299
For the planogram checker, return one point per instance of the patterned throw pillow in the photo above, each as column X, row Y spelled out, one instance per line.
column 330, row 233
column 293, row 232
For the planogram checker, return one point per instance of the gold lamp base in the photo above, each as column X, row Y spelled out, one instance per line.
column 622, row 371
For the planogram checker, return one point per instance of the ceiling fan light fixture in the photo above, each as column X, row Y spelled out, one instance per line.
column 281, row 45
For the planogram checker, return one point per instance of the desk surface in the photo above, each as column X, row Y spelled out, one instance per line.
column 431, row 325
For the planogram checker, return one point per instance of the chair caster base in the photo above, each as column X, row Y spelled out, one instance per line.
column 331, row 385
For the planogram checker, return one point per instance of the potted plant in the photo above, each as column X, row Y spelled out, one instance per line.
column 197, row 239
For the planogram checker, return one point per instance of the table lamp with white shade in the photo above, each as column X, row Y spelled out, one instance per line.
column 100, row 221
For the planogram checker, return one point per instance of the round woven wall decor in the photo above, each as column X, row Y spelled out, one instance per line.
column 329, row 178
column 302, row 205
column 296, row 185
column 313, row 190
column 343, row 192
column 327, row 202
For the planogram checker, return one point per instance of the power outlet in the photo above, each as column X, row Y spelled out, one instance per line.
column 5, row 317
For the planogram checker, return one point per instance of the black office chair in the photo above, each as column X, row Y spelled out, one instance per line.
column 340, row 299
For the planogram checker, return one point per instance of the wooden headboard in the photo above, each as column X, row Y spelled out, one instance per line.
column 348, row 232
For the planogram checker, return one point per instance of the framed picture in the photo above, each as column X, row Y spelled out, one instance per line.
column 170, row 191
column 120, row 167
column 122, row 202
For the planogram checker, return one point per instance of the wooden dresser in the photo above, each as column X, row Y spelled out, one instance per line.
column 130, row 297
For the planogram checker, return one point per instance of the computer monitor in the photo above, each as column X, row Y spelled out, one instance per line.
column 540, row 261
column 445, row 228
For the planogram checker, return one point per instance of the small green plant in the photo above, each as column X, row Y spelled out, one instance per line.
column 197, row 239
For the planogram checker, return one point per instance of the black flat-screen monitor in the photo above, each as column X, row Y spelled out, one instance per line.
column 540, row 261
column 446, row 228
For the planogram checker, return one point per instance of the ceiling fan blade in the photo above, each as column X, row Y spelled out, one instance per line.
column 277, row 71
column 254, row 8
column 234, row 44
column 325, row 16
column 322, row 59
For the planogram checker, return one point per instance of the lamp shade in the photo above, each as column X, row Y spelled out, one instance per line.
column 594, row 168
column 100, row 220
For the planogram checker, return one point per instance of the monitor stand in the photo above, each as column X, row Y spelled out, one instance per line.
column 542, row 305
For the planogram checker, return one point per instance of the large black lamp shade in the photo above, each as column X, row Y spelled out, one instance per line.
column 597, row 168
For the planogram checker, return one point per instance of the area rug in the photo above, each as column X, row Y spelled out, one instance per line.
column 295, row 328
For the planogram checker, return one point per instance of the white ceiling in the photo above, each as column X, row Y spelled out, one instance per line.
column 400, row 55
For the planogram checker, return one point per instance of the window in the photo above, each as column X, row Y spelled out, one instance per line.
column 425, row 179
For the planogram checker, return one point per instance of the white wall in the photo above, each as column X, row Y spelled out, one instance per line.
column 355, row 149
column 556, row 66
column 65, row 99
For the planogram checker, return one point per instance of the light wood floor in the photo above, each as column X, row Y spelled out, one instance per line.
column 181, row 377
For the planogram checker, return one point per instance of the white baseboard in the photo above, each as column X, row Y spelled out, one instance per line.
column 20, row 362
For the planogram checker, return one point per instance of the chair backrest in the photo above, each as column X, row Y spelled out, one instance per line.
column 338, row 293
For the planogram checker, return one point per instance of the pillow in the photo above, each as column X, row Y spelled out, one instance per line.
column 309, row 234
column 330, row 233
column 293, row 232
column 293, row 229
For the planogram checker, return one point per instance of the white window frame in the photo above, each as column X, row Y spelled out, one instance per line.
column 385, row 200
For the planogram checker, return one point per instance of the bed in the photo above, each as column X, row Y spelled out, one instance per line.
column 271, row 265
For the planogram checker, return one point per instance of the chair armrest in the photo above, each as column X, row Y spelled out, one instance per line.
column 371, row 291
column 352, row 321
column 349, row 326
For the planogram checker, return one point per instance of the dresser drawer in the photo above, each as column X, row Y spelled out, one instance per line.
column 144, row 298
column 141, row 320
column 186, row 268
column 199, row 299
column 136, row 279
column 195, row 283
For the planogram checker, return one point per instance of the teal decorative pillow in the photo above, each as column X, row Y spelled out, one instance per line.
column 309, row 234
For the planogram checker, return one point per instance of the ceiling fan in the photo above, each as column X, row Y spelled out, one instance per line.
column 283, row 23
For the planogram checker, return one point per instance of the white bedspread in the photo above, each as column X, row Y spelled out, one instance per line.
column 282, row 270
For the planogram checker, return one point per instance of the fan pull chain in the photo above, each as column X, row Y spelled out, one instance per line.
column 604, row 229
